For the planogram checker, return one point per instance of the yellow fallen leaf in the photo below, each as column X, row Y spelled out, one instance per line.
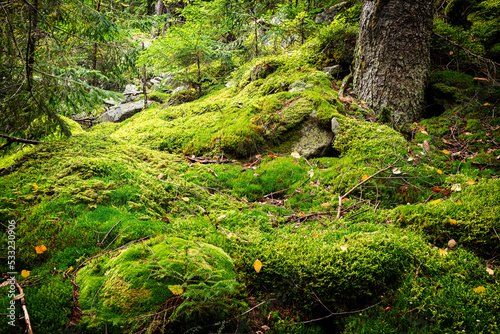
column 443, row 252
column 453, row 222
column 35, row 186
column 364, row 177
column 301, row 213
column 40, row 249
column 486, row 104
column 69, row 270
column 345, row 199
column 470, row 182
column 446, row 151
column 490, row 271
column 439, row 171
column 479, row 289
column 25, row 273
column 257, row 265
column 295, row 154
column 326, row 205
column 435, row 202
column 176, row 289
column 445, row 141
column 459, row 202
column 185, row 199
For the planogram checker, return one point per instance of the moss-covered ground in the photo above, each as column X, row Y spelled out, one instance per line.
column 123, row 230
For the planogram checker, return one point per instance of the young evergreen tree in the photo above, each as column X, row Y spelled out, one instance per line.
column 43, row 69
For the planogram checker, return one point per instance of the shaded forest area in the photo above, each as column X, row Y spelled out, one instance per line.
column 235, row 166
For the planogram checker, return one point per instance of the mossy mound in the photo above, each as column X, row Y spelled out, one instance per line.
column 470, row 216
column 259, row 115
column 163, row 278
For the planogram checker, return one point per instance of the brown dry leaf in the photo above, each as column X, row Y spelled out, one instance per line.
column 326, row 205
column 257, row 265
column 452, row 243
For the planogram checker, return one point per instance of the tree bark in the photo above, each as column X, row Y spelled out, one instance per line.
column 393, row 56
column 31, row 47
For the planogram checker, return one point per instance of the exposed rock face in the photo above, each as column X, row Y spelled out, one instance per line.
column 314, row 141
column 121, row 112
column 329, row 14
column 335, row 69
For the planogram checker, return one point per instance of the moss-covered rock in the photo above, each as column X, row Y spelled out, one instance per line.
column 130, row 287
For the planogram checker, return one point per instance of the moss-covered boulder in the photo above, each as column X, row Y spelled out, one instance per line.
column 162, row 278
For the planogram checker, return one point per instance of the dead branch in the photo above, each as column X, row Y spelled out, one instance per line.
column 11, row 139
column 25, row 309
column 361, row 183
column 486, row 60
column 340, row 313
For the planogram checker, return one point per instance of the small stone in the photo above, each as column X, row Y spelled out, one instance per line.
column 452, row 243
column 335, row 126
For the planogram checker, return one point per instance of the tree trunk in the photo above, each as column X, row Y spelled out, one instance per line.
column 393, row 56
column 96, row 49
column 31, row 47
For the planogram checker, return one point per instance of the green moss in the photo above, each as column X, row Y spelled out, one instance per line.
column 468, row 217
column 117, row 288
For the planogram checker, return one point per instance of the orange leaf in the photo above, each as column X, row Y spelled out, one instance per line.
column 364, row 177
column 453, row 222
column 40, row 249
column 439, row 171
column 257, row 265
column 459, row 202
column 470, row 182
column 437, row 189
column 25, row 273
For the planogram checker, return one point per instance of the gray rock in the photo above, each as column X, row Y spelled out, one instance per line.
column 299, row 86
column 314, row 141
column 131, row 90
column 335, row 69
column 112, row 101
column 123, row 111
column 335, row 126
column 178, row 89
column 329, row 14
column 156, row 80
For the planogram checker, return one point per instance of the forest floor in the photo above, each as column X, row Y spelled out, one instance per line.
column 204, row 217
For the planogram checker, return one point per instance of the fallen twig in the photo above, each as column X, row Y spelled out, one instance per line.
column 361, row 183
column 340, row 313
column 25, row 309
